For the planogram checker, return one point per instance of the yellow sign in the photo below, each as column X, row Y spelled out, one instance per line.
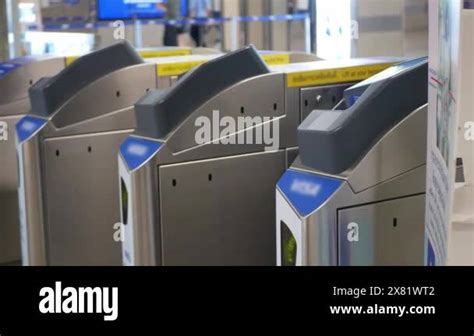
column 276, row 59
column 177, row 68
column 335, row 75
column 164, row 53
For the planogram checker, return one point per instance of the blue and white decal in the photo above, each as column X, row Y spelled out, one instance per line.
column 6, row 68
column 28, row 126
column 307, row 192
column 137, row 151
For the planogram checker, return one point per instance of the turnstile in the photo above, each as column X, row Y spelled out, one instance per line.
column 188, row 198
column 356, row 193
column 16, row 77
column 67, row 149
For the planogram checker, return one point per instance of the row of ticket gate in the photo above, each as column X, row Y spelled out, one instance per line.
column 347, row 160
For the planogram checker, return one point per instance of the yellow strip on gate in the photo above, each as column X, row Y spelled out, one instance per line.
column 335, row 75
column 177, row 68
column 164, row 53
column 71, row 59
column 276, row 59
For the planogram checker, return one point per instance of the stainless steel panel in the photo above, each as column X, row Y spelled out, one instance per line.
column 220, row 212
column 321, row 98
column 9, row 228
column 165, row 82
column 204, row 51
column 31, row 204
column 289, row 125
column 389, row 233
column 15, row 85
column 9, row 215
column 320, row 231
column 299, row 57
column 400, row 150
column 82, row 199
column 9, row 169
column 116, row 91
column 321, row 239
column 291, row 155
column 111, row 122
column 260, row 96
column 15, row 108
column 142, row 241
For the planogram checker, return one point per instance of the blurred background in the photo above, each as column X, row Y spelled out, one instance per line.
column 333, row 29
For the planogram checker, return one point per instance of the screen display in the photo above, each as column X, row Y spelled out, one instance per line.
column 289, row 246
column 124, row 193
column 129, row 9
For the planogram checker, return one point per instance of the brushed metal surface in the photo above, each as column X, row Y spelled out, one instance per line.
column 9, row 215
column 113, row 92
column 30, row 199
column 321, row 98
column 15, row 85
column 81, row 198
column 300, row 57
column 260, row 96
column 15, row 108
column 390, row 233
column 142, row 239
column 220, row 212
column 204, row 51
column 400, row 150
column 14, row 103
column 8, row 171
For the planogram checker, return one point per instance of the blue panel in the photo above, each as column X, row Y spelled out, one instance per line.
column 6, row 68
column 122, row 10
column 306, row 191
column 353, row 99
column 431, row 255
column 29, row 126
column 137, row 151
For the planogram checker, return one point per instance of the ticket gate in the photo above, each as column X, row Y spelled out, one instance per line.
column 188, row 198
column 68, row 169
column 356, row 193
column 16, row 77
